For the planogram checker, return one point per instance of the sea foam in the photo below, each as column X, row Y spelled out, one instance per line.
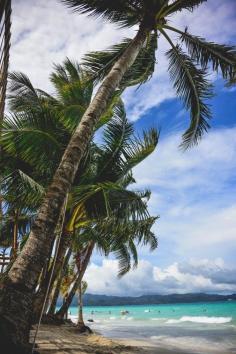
column 201, row 319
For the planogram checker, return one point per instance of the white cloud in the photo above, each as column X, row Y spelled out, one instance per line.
column 195, row 276
column 202, row 23
column 52, row 32
column 193, row 192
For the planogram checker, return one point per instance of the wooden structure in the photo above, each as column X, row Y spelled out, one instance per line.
column 5, row 35
column 4, row 261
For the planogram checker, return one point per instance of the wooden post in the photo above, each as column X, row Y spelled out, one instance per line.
column 4, row 260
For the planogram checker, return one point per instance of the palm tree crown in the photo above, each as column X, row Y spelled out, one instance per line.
column 188, row 71
column 100, row 205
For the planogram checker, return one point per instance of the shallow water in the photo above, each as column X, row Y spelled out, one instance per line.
column 196, row 328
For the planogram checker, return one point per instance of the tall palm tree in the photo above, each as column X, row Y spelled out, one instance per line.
column 121, row 222
column 106, row 163
column 151, row 17
column 48, row 124
column 81, row 291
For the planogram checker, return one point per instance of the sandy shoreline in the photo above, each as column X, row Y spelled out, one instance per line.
column 65, row 339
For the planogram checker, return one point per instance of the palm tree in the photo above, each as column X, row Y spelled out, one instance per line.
column 103, row 193
column 28, row 182
column 83, row 285
column 152, row 18
column 107, row 165
column 127, row 225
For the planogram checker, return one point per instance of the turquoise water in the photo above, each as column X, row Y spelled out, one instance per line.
column 212, row 312
column 199, row 327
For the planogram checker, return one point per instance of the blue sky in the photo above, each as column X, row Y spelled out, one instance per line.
column 193, row 192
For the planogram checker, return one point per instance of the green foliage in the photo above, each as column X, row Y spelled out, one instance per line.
column 152, row 16
column 221, row 57
column 99, row 63
column 22, row 191
column 180, row 5
column 122, row 12
column 192, row 87
column 100, row 207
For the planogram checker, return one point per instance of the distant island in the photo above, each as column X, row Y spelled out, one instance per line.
column 104, row 300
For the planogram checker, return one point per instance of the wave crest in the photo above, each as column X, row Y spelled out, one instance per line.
column 201, row 319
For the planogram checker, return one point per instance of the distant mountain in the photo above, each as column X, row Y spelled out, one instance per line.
column 104, row 300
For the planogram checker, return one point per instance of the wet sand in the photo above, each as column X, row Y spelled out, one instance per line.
column 65, row 339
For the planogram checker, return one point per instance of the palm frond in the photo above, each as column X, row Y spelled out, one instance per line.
column 232, row 81
column 21, row 190
column 222, row 57
column 116, row 137
column 33, row 138
column 124, row 13
column 72, row 83
column 113, row 106
column 127, row 180
column 22, row 94
column 139, row 148
column 99, row 63
column 123, row 256
column 193, row 88
column 123, row 237
column 180, row 5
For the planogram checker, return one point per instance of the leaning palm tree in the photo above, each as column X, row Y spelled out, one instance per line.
column 48, row 123
column 81, row 291
column 133, row 62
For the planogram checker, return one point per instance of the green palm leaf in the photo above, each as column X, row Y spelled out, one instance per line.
column 21, row 190
column 193, row 88
column 180, row 5
column 124, row 13
column 115, row 139
column 139, row 148
column 222, row 57
column 23, row 96
column 99, row 63
column 33, row 138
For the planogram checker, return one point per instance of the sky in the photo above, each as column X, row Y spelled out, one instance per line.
column 193, row 192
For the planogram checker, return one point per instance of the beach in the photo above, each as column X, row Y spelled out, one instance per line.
column 66, row 340
column 198, row 328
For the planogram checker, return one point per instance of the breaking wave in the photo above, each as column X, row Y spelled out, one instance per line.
column 201, row 319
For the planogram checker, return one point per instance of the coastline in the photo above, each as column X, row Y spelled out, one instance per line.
column 65, row 339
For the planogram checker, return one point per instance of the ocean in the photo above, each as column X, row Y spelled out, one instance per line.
column 195, row 328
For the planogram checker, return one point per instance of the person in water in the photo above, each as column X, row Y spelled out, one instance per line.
column 125, row 312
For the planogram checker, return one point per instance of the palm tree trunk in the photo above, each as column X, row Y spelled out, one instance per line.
column 40, row 295
column 80, row 314
column 65, row 307
column 22, row 279
column 56, row 292
column 15, row 235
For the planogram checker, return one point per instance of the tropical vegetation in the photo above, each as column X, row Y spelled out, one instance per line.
column 131, row 62
column 100, row 211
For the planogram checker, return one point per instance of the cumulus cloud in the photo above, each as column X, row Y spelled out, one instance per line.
column 52, row 32
column 215, row 270
column 194, row 193
column 202, row 23
column 195, row 276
